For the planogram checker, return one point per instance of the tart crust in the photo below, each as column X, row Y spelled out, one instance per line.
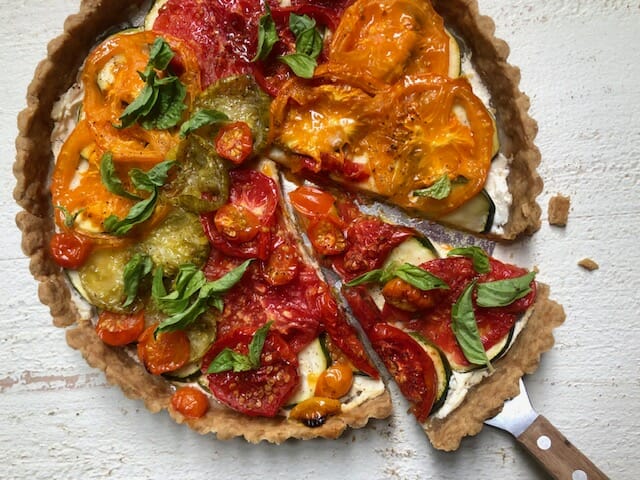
column 34, row 160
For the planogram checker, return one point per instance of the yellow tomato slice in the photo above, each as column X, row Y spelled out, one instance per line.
column 391, row 38
column 111, row 82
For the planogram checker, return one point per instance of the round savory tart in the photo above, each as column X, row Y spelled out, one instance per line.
column 159, row 232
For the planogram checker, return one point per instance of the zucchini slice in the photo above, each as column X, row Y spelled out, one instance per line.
column 151, row 17
column 415, row 250
column 441, row 365
column 312, row 361
column 474, row 216
column 494, row 353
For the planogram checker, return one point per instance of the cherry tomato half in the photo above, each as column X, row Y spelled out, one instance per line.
column 311, row 201
column 335, row 381
column 165, row 352
column 117, row 329
column 237, row 223
column 326, row 235
column 190, row 402
column 235, row 142
column 261, row 391
column 282, row 266
column 69, row 249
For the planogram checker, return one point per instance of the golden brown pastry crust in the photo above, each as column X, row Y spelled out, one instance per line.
column 486, row 399
column 34, row 160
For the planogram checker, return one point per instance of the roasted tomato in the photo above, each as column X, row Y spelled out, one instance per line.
column 117, row 329
column 234, row 142
column 406, row 297
column 311, row 201
column 335, row 381
column 164, row 352
column 411, row 367
column 70, row 249
column 282, row 266
column 237, row 223
column 325, row 234
column 190, row 402
column 111, row 82
column 259, row 392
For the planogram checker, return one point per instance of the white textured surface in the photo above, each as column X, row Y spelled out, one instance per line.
column 580, row 64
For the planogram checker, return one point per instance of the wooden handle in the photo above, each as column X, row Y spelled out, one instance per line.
column 557, row 454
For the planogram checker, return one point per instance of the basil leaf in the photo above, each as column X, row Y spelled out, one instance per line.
column 370, row 277
column 167, row 110
column 301, row 64
column 504, row 292
column 155, row 177
column 300, row 23
column 439, row 190
column 139, row 213
column 267, row 35
column 225, row 283
column 200, row 119
column 134, row 271
column 144, row 102
column 465, row 328
column 160, row 54
column 227, row 360
column 69, row 218
column 184, row 318
column 478, row 255
column 257, row 343
column 110, row 179
column 157, row 285
column 419, row 278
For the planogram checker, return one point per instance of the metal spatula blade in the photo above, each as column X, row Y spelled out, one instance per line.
column 541, row 439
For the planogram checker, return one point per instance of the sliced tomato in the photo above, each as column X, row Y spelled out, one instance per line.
column 190, row 402
column 283, row 264
column 234, row 142
column 311, row 201
column 117, row 329
column 325, row 234
column 370, row 240
column 259, row 392
column 164, row 352
column 70, row 249
column 255, row 191
column 363, row 307
column 236, row 223
column 124, row 55
column 411, row 367
column 389, row 39
column 405, row 296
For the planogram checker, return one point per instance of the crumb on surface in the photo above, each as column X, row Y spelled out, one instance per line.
column 588, row 264
column 559, row 210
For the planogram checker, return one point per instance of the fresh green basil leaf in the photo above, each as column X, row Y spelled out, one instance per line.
column 419, row 278
column 478, row 255
column 69, row 218
column 217, row 303
column 227, row 360
column 167, row 110
column 302, row 65
column 267, row 36
column 202, row 118
column 226, row 282
column 110, row 179
column 465, row 328
column 157, row 285
column 160, row 54
column 439, row 190
column 139, row 213
column 184, row 318
column 257, row 343
column 300, row 23
column 144, row 102
column 504, row 292
column 134, row 272
column 370, row 277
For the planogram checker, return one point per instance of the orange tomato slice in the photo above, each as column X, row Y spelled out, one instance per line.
column 391, row 38
column 111, row 82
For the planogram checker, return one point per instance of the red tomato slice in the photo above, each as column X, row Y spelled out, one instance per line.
column 370, row 240
column 260, row 392
column 254, row 191
column 410, row 365
column 311, row 201
column 69, row 249
column 363, row 307
column 117, row 329
column 234, row 142
column 236, row 223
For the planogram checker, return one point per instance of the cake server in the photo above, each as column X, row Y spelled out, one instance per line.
column 561, row 459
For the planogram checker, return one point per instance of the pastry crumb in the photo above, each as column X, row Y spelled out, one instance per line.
column 559, row 210
column 588, row 264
